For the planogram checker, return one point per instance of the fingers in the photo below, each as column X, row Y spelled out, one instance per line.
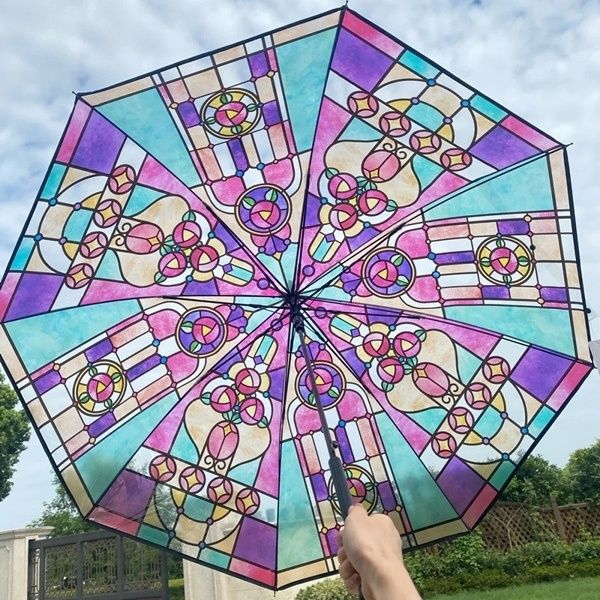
column 353, row 584
column 346, row 570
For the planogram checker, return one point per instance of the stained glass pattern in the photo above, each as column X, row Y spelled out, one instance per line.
column 425, row 232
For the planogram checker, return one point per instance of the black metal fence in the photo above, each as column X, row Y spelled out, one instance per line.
column 96, row 566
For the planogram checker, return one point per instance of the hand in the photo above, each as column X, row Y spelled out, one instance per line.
column 370, row 557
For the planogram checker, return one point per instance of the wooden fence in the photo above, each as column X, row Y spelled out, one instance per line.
column 510, row 524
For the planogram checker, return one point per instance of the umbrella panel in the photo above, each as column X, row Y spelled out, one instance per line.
column 145, row 314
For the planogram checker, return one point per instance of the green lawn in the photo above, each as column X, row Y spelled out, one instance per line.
column 587, row 588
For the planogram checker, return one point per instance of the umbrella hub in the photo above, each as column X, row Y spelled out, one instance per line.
column 293, row 302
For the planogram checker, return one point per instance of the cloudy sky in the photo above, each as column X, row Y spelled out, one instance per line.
column 540, row 59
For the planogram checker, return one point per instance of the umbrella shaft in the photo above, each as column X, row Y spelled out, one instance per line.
column 336, row 467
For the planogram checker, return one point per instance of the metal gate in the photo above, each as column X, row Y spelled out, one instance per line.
column 96, row 566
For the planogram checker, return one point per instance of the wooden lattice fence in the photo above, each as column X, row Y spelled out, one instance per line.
column 510, row 524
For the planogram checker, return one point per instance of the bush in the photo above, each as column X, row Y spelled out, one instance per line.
column 332, row 589
column 176, row 589
column 464, row 564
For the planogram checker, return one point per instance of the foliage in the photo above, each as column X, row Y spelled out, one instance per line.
column 331, row 589
column 585, row 588
column 582, row 474
column 14, row 432
column 176, row 589
column 61, row 514
column 465, row 564
column 534, row 482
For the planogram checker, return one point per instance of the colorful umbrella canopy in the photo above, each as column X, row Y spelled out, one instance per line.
column 320, row 200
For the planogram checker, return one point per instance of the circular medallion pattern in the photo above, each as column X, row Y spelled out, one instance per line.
column 362, row 488
column 388, row 272
column 504, row 260
column 99, row 387
column 231, row 113
column 201, row 332
column 330, row 385
column 263, row 209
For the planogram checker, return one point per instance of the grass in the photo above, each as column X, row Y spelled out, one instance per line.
column 586, row 588
column 176, row 589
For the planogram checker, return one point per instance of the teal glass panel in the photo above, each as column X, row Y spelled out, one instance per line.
column 53, row 181
column 304, row 66
column 527, row 187
column 298, row 537
column 59, row 332
column 541, row 420
column 418, row 65
column 545, row 327
column 502, row 473
column 423, row 501
column 429, row 419
column 488, row 108
column 145, row 118
column 99, row 466
column 22, row 255
column 358, row 130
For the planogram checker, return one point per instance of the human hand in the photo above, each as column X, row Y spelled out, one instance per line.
column 370, row 557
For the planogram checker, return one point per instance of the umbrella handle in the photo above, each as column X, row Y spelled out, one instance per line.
column 340, row 484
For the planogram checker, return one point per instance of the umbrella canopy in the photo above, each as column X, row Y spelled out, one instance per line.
column 315, row 223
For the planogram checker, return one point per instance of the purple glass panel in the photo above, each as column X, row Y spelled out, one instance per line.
column 256, row 543
column 258, row 64
column 500, row 148
column 539, row 372
column 359, row 62
column 129, row 495
column 454, row 257
column 35, row 294
column 143, row 367
column 99, row 350
column 386, row 494
column 345, row 449
column 99, row 145
column 100, row 425
column 47, row 382
column 319, row 486
column 188, row 114
column 513, row 227
column 270, row 112
column 237, row 152
column 495, row 292
column 460, row 483
column 554, row 294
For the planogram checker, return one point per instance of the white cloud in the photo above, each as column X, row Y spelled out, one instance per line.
column 540, row 59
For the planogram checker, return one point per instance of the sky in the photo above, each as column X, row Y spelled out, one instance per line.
column 540, row 59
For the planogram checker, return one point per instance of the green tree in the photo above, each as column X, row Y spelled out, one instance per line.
column 61, row 514
column 14, row 432
column 535, row 480
column 582, row 474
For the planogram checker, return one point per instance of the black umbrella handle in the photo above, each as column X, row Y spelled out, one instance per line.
column 340, row 484
column 336, row 468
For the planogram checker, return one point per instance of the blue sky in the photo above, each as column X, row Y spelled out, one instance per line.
column 540, row 59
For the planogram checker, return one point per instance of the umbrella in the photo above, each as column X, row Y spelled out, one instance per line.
column 303, row 270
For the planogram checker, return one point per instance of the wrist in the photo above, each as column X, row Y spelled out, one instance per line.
column 390, row 579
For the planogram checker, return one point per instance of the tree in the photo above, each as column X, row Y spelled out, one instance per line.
column 582, row 474
column 14, row 432
column 61, row 514
column 535, row 480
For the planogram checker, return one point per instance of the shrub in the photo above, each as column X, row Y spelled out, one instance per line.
column 464, row 564
column 332, row 589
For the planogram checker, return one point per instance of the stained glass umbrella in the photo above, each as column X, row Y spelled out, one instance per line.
column 314, row 225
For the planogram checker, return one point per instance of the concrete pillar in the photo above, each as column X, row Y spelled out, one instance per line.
column 14, row 558
column 203, row 583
